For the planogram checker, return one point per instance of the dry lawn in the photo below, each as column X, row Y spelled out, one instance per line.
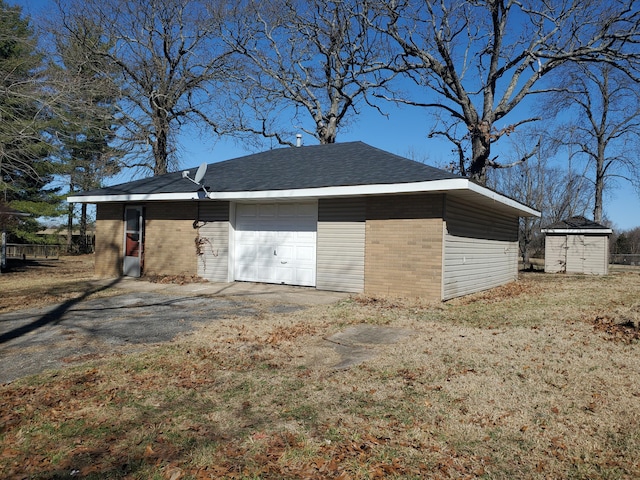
column 538, row 379
column 36, row 283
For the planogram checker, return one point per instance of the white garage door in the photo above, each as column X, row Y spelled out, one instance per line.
column 276, row 243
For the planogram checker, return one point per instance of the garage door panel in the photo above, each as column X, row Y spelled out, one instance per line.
column 276, row 243
column 285, row 253
column 305, row 253
column 306, row 237
column 306, row 276
column 264, row 252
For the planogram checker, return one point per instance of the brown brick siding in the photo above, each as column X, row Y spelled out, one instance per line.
column 403, row 246
column 109, row 238
column 169, row 246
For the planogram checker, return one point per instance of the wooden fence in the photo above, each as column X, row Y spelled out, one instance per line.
column 32, row 252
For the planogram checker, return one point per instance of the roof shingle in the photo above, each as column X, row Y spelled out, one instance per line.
column 338, row 164
column 577, row 222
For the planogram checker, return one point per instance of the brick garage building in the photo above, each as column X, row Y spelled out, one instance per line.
column 343, row 217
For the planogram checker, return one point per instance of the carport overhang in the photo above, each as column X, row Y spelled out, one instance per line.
column 458, row 188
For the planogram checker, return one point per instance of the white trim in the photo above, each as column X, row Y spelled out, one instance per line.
column 136, row 197
column 474, row 187
column 578, row 231
column 344, row 191
column 231, row 265
column 452, row 184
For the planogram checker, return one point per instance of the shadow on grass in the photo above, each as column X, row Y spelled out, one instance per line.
column 54, row 316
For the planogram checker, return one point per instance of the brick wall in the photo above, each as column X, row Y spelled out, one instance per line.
column 169, row 245
column 109, row 238
column 403, row 246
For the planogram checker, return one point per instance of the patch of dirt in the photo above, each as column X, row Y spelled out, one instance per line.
column 625, row 331
column 174, row 279
column 498, row 294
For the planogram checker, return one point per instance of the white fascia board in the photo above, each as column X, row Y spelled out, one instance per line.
column 578, row 231
column 138, row 197
column 452, row 184
column 526, row 211
column 344, row 191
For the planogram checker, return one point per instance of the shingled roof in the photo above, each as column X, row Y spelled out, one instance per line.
column 334, row 170
column 339, row 164
column 578, row 223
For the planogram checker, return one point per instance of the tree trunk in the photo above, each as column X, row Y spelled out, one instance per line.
column 327, row 132
column 161, row 144
column 480, row 151
column 70, row 229
column 84, row 247
column 160, row 154
column 599, row 186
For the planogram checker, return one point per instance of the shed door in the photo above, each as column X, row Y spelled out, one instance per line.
column 575, row 254
column 276, row 243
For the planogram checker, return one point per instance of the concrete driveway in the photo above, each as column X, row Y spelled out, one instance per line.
column 34, row 340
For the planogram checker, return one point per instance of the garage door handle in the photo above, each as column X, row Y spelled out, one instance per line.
column 274, row 252
column 283, row 262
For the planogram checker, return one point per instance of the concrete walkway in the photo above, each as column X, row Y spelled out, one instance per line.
column 255, row 291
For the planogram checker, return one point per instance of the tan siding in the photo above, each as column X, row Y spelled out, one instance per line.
column 555, row 253
column 340, row 245
column 169, row 245
column 596, row 253
column 575, row 254
column 213, row 258
column 404, row 246
column 109, row 239
column 481, row 249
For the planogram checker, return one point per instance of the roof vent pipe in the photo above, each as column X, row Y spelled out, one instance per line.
column 299, row 140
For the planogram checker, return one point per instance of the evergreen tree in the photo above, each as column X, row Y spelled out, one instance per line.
column 25, row 166
column 86, row 119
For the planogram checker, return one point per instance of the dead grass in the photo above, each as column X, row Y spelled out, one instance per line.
column 519, row 382
column 34, row 283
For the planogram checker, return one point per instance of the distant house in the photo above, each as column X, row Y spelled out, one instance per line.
column 577, row 245
column 58, row 235
column 343, row 217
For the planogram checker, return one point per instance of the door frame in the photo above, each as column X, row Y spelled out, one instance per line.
column 133, row 241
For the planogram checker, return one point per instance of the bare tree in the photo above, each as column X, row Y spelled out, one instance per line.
column 599, row 111
column 479, row 60
column 307, row 60
column 169, row 65
column 556, row 192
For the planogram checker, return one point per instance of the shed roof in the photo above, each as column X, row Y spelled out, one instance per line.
column 577, row 224
column 334, row 170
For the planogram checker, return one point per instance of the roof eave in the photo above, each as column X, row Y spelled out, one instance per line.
column 432, row 186
column 578, row 231
column 136, row 197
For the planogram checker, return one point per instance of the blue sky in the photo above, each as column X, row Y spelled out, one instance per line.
column 404, row 133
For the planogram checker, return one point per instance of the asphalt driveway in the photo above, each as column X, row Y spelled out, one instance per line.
column 34, row 340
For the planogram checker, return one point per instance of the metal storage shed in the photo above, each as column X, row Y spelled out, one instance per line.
column 577, row 245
